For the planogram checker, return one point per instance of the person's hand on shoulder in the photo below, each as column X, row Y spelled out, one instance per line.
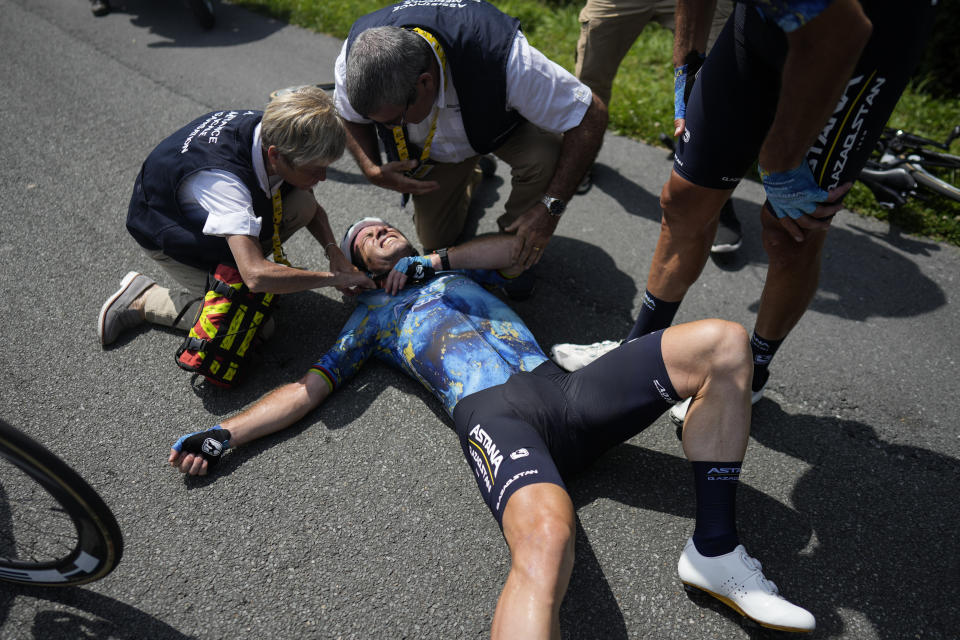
column 354, row 282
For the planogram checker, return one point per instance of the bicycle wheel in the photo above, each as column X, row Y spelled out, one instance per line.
column 54, row 528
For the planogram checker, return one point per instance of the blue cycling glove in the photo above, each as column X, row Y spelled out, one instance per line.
column 210, row 444
column 417, row 268
column 792, row 193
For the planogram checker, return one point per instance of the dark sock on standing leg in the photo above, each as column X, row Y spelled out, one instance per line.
column 655, row 314
column 763, row 352
column 716, row 489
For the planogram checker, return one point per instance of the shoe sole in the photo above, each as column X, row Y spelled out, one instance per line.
column 677, row 421
column 698, row 589
column 725, row 248
column 124, row 285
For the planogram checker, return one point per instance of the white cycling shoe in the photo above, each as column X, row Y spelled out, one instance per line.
column 737, row 580
column 571, row 356
column 678, row 412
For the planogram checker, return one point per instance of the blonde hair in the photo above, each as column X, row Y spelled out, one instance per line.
column 304, row 127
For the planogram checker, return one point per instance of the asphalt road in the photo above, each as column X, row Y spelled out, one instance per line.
column 363, row 521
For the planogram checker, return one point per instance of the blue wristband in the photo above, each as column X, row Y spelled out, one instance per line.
column 679, row 88
column 792, row 193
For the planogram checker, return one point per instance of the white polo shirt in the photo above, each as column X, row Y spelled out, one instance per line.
column 226, row 199
column 539, row 89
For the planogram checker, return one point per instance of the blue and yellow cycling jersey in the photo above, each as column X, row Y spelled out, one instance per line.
column 789, row 14
column 449, row 333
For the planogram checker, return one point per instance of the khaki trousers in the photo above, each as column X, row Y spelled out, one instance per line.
column 440, row 216
column 608, row 28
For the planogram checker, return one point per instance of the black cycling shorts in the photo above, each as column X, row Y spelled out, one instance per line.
column 734, row 98
column 546, row 425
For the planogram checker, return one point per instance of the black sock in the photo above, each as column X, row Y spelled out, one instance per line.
column 716, row 487
column 655, row 314
column 763, row 352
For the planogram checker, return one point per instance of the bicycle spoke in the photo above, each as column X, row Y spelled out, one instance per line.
column 34, row 528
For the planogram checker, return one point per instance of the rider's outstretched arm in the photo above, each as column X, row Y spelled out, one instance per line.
column 275, row 411
column 278, row 409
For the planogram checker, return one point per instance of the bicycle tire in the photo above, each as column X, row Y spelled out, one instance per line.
column 929, row 181
column 79, row 540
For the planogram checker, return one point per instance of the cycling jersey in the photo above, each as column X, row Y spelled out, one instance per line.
column 788, row 14
column 449, row 333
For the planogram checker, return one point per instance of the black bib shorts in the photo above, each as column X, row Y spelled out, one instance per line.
column 548, row 424
column 734, row 98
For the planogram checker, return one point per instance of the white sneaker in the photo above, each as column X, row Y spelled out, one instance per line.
column 576, row 356
column 678, row 412
column 736, row 580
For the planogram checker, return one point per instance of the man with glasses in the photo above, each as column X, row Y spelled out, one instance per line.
column 443, row 85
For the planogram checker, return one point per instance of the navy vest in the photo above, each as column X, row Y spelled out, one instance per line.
column 476, row 38
column 220, row 140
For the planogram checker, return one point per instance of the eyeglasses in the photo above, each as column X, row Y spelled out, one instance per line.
column 399, row 121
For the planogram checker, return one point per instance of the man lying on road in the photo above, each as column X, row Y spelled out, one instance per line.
column 525, row 425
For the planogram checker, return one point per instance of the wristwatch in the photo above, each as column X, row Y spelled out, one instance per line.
column 555, row 206
column 444, row 260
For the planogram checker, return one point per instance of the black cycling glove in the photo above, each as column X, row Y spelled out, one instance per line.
column 210, row 444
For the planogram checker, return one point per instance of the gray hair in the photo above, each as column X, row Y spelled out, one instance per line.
column 383, row 65
column 304, row 127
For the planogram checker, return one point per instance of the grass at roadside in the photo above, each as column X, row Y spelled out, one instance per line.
column 642, row 103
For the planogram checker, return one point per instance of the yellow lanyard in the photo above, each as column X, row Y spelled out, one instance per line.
column 398, row 136
column 278, row 256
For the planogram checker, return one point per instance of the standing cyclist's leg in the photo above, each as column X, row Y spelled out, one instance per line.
column 728, row 114
column 687, row 227
column 840, row 152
